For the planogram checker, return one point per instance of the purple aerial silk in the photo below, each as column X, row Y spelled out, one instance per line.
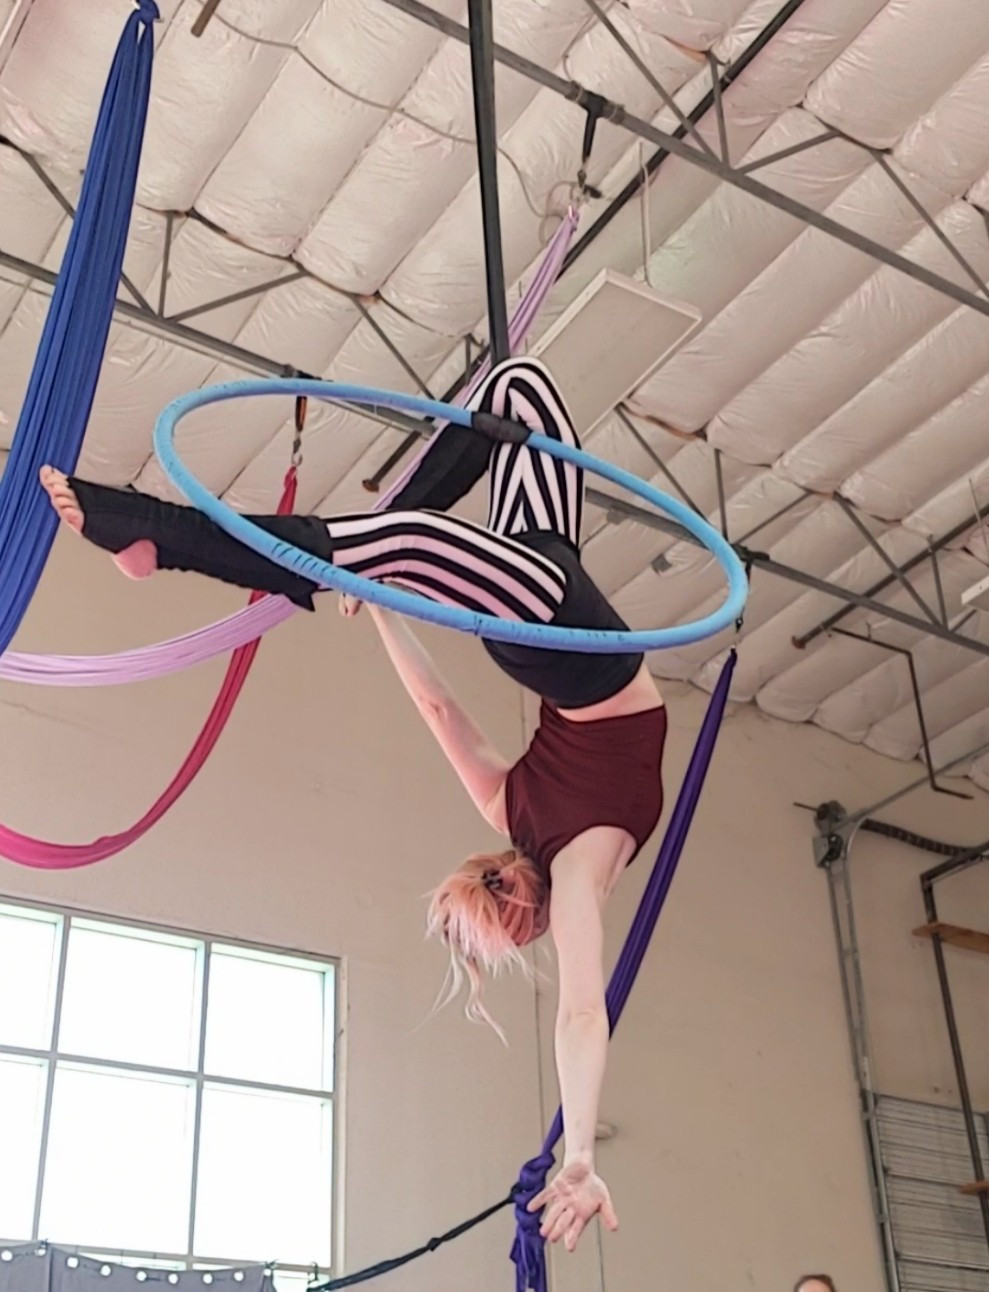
column 528, row 1251
column 163, row 658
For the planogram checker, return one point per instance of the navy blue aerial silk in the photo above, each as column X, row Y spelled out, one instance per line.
column 60, row 394
column 528, row 1252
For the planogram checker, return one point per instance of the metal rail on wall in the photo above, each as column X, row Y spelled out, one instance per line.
column 941, row 936
column 836, row 831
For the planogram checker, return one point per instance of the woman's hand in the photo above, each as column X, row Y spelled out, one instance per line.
column 575, row 1196
column 348, row 605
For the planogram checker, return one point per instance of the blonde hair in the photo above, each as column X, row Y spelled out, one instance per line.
column 490, row 907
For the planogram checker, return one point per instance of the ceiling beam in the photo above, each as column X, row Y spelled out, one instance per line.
column 576, row 93
column 192, row 338
column 617, row 508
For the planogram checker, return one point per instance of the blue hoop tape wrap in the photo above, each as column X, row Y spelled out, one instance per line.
column 586, row 641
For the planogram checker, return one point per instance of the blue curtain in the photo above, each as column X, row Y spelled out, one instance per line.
column 528, row 1252
column 63, row 381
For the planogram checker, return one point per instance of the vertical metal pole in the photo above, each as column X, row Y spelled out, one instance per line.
column 46, row 1116
column 197, row 1123
column 722, row 504
column 486, row 131
column 719, row 109
column 165, row 260
column 922, row 724
column 938, row 586
column 954, row 1039
column 853, row 993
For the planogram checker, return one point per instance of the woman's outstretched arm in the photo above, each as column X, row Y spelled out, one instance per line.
column 583, row 875
column 481, row 768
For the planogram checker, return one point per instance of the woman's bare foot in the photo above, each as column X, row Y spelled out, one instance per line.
column 137, row 561
column 56, row 486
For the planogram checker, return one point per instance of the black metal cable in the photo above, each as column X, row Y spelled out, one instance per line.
column 593, row 107
column 396, row 1262
column 915, row 840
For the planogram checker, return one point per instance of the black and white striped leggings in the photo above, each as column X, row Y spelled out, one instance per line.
column 412, row 543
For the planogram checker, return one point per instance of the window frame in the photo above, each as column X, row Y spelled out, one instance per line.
column 204, row 943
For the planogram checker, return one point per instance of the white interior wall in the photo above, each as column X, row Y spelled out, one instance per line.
column 326, row 814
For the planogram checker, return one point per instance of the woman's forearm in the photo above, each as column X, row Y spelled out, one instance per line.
column 411, row 660
column 581, row 1057
column 481, row 769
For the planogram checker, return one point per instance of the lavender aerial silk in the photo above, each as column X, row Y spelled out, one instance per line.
column 528, row 1252
column 246, row 625
column 145, row 662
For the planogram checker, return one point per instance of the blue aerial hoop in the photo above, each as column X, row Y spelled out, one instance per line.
column 584, row 640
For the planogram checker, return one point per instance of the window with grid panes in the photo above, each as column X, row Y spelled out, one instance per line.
column 165, row 1099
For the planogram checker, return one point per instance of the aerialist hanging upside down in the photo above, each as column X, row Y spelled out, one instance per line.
column 578, row 805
